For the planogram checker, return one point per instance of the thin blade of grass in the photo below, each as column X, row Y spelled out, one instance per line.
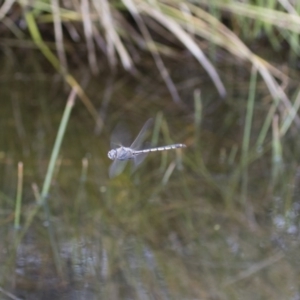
column 277, row 151
column 59, row 34
column 197, row 114
column 272, row 16
column 19, row 196
column 57, row 145
column 266, row 126
column 168, row 173
column 287, row 122
column 88, row 32
column 112, row 37
column 247, row 133
column 158, row 61
column 186, row 39
column 103, row 10
column 13, row 28
column 4, row 9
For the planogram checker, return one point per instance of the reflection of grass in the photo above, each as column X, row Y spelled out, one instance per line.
column 136, row 236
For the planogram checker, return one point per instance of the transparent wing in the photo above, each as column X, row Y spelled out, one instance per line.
column 120, row 136
column 116, row 168
column 138, row 159
column 140, row 138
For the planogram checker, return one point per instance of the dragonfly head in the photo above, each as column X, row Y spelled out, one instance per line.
column 112, row 154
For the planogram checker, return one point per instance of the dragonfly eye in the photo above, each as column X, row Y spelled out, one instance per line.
column 112, row 154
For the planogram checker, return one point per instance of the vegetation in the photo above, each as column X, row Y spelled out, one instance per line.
column 120, row 28
column 217, row 221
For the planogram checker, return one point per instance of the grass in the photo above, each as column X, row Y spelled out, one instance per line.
column 19, row 196
column 218, row 220
column 171, row 236
column 105, row 26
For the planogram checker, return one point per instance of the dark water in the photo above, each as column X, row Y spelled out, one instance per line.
column 199, row 224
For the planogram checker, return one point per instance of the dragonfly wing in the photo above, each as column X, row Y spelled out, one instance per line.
column 120, row 136
column 140, row 138
column 116, row 168
column 138, row 159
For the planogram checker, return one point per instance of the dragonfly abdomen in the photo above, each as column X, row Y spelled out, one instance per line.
column 163, row 148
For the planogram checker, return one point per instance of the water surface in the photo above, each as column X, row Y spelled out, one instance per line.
column 197, row 224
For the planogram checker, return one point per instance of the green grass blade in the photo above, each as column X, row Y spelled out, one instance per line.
column 19, row 196
column 57, row 145
column 247, row 132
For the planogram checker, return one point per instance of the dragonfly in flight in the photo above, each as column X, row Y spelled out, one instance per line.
column 122, row 154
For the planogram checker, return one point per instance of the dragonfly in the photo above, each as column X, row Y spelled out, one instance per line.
column 122, row 154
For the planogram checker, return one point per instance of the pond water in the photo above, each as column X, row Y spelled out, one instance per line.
column 200, row 223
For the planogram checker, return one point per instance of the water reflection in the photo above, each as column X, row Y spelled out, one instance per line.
column 168, row 231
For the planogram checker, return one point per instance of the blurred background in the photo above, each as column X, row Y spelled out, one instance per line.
column 216, row 220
